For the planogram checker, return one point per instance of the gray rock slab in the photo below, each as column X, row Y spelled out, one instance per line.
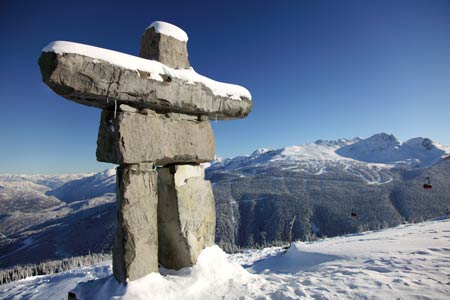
column 98, row 83
column 186, row 215
column 130, row 138
column 165, row 49
column 135, row 251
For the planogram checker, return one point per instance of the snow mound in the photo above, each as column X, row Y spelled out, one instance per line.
column 170, row 30
column 155, row 68
column 213, row 277
column 406, row 262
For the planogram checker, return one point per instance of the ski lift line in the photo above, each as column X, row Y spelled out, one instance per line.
column 291, row 225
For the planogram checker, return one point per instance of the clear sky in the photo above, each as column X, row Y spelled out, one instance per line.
column 316, row 70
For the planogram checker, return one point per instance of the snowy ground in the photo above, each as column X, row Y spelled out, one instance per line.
column 406, row 262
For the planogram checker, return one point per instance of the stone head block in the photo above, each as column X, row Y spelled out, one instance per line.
column 169, row 50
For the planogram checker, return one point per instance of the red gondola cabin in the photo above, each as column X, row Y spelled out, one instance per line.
column 427, row 185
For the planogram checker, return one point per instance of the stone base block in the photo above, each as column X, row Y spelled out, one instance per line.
column 186, row 215
column 130, row 138
column 135, row 252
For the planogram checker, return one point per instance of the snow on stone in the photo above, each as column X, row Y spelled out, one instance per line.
column 170, row 30
column 155, row 68
column 410, row 261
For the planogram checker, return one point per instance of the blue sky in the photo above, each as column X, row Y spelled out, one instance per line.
column 316, row 69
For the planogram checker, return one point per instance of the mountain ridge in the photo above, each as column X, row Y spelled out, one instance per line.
column 344, row 148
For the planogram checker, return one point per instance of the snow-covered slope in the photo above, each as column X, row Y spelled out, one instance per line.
column 87, row 187
column 319, row 151
column 406, row 262
column 24, row 196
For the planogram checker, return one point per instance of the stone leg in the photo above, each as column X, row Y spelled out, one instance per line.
column 186, row 215
column 135, row 252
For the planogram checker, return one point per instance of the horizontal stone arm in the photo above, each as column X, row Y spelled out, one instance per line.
column 99, row 83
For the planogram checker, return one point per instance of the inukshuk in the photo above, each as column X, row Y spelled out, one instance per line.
column 154, row 125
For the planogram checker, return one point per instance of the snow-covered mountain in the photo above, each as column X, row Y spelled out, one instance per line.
column 380, row 178
column 386, row 149
column 406, row 262
column 369, row 158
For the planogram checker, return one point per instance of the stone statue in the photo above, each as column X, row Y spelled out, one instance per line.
column 154, row 125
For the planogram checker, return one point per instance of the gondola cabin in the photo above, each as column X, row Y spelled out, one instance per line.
column 427, row 184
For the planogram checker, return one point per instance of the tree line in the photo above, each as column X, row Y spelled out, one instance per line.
column 51, row 267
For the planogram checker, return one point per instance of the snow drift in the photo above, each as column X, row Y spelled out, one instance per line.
column 407, row 262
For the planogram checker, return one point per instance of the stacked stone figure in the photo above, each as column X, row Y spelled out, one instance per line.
column 154, row 125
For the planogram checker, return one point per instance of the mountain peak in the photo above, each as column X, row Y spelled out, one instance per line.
column 340, row 142
column 420, row 142
column 382, row 140
column 260, row 151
